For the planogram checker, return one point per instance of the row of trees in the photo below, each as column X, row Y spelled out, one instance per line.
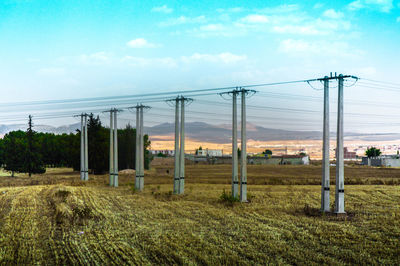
column 31, row 152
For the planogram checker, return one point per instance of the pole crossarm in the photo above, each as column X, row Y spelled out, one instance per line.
column 138, row 106
column 236, row 91
column 80, row 115
column 331, row 77
column 173, row 101
column 113, row 110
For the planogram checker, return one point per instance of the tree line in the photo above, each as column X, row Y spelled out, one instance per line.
column 31, row 152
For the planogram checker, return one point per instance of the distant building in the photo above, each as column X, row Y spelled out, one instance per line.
column 164, row 152
column 348, row 155
column 211, row 153
column 382, row 160
column 256, row 160
column 282, row 160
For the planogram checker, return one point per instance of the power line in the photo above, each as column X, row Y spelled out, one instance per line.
column 379, row 81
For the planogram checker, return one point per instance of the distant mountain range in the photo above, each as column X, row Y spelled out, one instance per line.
column 222, row 133
column 216, row 133
column 4, row 129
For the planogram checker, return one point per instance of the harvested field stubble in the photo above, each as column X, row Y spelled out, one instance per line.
column 69, row 222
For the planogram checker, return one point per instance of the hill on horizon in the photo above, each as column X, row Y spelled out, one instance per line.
column 222, row 133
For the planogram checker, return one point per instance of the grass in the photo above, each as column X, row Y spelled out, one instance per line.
column 57, row 219
column 228, row 197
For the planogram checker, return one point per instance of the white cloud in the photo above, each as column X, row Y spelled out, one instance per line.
column 219, row 29
column 294, row 29
column 230, row 10
column 305, row 48
column 280, row 9
column 140, row 43
column 284, row 19
column 162, row 9
column 380, row 5
column 314, row 27
column 183, row 20
column 318, row 5
column 331, row 13
column 356, row 5
column 95, row 58
column 212, row 27
column 149, row 62
column 99, row 58
column 290, row 46
column 254, row 18
column 365, row 71
column 222, row 58
column 226, row 58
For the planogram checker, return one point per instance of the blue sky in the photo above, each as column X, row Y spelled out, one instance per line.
column 68, row 49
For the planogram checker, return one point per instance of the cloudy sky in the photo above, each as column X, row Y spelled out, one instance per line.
column 73, row 49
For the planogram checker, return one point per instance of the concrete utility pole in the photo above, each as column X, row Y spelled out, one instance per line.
column 339, row 191
column 235, row 180
column 82, row 149
column 182, row 150
column 177, row 157
column 243, row 156
column 179, row 170
column 141, row 148
column 115, row 149
column 325, row 157
column 111, row 148
column 86, row 169
column 139, row 155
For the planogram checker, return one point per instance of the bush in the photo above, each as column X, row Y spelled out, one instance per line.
column 227, row 197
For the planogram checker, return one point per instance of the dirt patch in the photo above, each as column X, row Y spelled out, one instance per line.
column 67, row 208
column 127, row 172
column 310, row 211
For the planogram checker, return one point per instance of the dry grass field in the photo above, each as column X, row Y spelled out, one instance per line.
column 57, row 219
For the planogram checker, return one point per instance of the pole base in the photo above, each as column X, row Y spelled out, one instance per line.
column 340, row 214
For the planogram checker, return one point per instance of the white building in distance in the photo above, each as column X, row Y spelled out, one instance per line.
column 164, row 152
column 211, row 153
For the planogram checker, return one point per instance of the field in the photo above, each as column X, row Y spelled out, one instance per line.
column 57, row 219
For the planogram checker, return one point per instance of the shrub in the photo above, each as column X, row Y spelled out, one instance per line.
column 227, row 197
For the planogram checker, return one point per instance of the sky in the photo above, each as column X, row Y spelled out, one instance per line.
column 75, row 49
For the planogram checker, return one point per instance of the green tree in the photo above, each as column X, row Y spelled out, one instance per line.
column 23, row 151
column 126, row 147
column 373, row 152
column 148, row 157
column 14, row 149
column 1, row 152
column 32, row 163
column 98, row 145
column 268, row 152
column 160, row 154
column 197, row 150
